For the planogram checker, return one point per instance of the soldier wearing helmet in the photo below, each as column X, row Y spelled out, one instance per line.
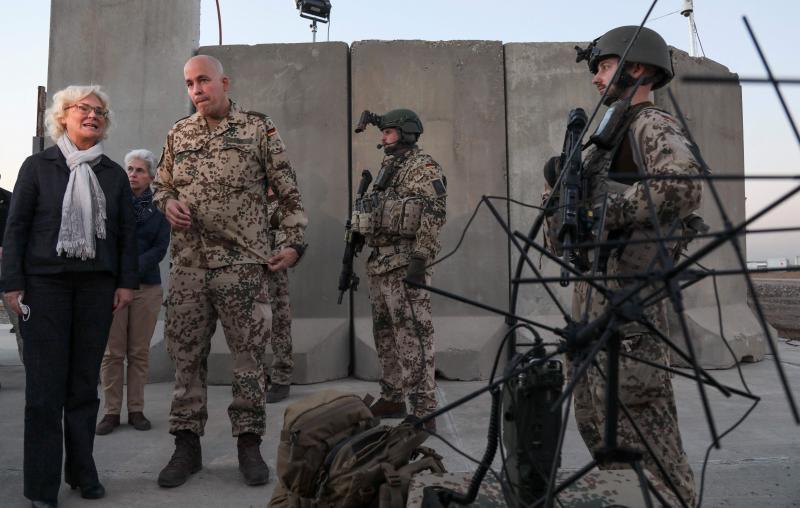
column 634, row 139
column 407, row 200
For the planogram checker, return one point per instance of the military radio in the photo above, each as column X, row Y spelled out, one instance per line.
column 531, row 425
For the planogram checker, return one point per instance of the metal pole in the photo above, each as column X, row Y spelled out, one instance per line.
column 41, row 105
column 688, row 12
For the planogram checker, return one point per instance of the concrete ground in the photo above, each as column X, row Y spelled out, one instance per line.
column 758, row 464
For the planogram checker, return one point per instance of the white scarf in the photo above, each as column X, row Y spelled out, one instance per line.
column 83, row 212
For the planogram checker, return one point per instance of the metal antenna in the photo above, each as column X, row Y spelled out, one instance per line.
column 688, row 12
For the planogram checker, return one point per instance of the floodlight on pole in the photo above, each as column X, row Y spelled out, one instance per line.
column 316, row 11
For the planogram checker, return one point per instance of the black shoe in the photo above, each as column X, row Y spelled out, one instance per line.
column 277, row 393
column 252, row 466
column 383, row 408
column 139, row 421
column 95, row 491
column 107, row 425
column 43, row 504
column 186, row 460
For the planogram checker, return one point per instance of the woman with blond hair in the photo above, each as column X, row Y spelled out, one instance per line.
column 69, row 261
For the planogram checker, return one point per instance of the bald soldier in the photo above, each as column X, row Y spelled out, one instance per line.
column 212, row 186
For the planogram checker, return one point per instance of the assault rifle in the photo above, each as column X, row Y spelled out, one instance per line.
column 353, row 242
column 573, row 217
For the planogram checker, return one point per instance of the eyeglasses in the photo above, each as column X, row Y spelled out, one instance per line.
column 85, row 109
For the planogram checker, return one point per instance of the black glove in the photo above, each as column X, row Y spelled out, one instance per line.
column 416, row 270
column 551, row 170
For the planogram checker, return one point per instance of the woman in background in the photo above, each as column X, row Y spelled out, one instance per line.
column 133, row 326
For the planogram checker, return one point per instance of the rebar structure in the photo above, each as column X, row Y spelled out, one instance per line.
column 664, row 280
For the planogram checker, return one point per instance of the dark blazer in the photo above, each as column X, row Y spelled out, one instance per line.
column 5, row 202
column 152, row 237
column 29, row 244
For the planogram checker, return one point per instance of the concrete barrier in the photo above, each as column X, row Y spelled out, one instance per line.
column 492, row 114
column 714, row 116
column 536, row 121
column 136, row 51
column 543, row 83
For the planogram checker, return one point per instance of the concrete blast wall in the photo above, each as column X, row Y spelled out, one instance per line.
column 136, row 51
column 536, row 121
column 492, row 115
column 714, row 116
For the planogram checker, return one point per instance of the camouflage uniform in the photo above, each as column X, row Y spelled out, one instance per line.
column 401, row 315
column 218, row 264
column 280, row 372
column 646, row 391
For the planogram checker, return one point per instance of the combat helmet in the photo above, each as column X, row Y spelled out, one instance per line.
column 649, row 48
column 407, row 123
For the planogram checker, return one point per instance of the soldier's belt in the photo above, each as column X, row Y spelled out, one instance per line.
column 403, row 248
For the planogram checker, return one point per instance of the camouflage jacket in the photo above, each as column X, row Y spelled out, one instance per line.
column 418, row 176
column 221, row 175
column 665, row 150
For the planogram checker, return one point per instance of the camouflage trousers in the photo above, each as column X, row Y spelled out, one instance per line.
column 403, row 333
column 237, row 296
column 280, row 372
column 648, row 395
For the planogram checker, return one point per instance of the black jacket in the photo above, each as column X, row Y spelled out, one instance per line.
column 152, row 237
column 5, row 202
column 29, row 244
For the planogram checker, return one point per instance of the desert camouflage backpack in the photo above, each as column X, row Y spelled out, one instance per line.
column 332, row 454
column 312, row 427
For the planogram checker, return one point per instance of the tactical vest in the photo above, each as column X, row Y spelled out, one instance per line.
column 597, row 165
column 383, row 216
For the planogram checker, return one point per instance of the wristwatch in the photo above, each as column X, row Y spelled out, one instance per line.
column 300, row 248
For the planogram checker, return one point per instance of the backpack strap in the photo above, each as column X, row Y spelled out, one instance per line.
column 390, row 494
column 394, row 492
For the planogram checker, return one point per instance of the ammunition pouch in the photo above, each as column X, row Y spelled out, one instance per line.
column 401, row 217
column 361, row 218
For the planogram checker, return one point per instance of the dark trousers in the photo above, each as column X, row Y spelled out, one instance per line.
column 64, row 339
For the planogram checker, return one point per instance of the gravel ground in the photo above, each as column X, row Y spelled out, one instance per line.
column 780, row 299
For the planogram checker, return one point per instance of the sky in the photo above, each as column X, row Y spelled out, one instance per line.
column 769, row 144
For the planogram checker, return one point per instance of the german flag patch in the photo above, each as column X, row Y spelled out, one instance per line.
column 272, row 131
column 430, row 165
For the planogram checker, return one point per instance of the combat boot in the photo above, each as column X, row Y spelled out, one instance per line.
column 383, row 408
column 187, row 460
column 277, row 393
column 252, row 466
